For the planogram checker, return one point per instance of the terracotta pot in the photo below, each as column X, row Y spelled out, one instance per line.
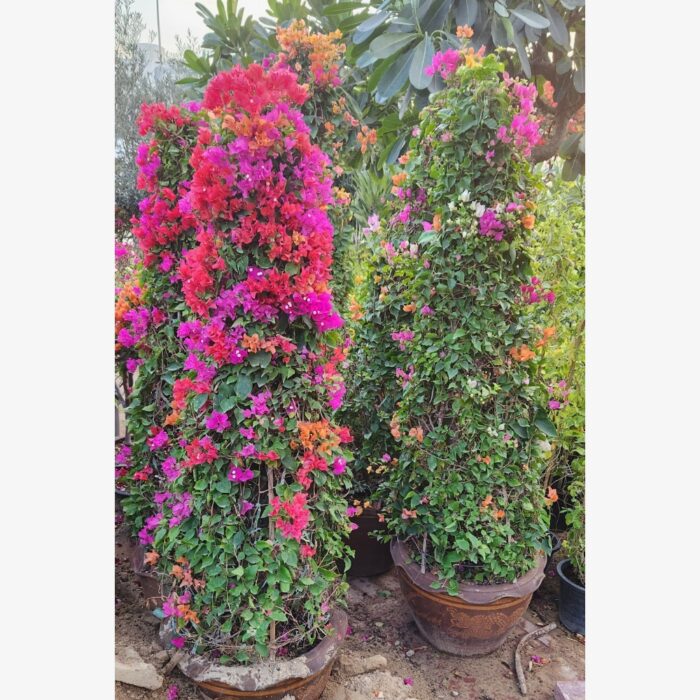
column 150, row 584
column 372, row 557
column 572, row 599
column 477, row 620
column 302, row 678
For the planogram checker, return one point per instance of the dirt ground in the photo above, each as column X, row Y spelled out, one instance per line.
column 381, row 624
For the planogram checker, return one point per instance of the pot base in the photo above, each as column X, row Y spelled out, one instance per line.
column 475, row 621
column 460, row 628
column 310, row 688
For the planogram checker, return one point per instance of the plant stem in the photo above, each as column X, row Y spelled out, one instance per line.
column 271, row 532
column 423, row 553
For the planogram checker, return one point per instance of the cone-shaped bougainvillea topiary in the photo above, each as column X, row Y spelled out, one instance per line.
column 243, row 468
column 469, row 322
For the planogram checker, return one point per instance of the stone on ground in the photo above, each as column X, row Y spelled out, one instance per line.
column 353, row 665
column 570, row 690
column 132, row 669
column 380, row 684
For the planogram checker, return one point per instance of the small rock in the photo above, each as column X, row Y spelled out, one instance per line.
column 132, row 669
column 570, row 690
column 410, row 653
column 379, row 624
column 354, row 666
column 151, row 619
column 161, row 657
column 455, row 694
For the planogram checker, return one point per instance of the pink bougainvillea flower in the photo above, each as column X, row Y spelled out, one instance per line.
column 307, row 550
column 239, row 476
column 173, row 692
column 554, row 405
column 386, row 457
column 159, row 439
column 339, row 465
column 408, row 681
column 246, row 506
column 248, row 433
column 218, row 422
column 426, row 311
column 178, row 642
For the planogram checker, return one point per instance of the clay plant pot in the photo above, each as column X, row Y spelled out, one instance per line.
column 372, row 557
column 572, row 599
column 477, row 620
column 150, row 584
column 302, row 678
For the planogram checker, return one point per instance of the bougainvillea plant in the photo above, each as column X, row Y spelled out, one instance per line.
column 334, row 120
column 466, row 494
column 238, row 480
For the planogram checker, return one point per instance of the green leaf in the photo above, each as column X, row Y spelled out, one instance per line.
column 544, row 424
column 500, row 9
column 365, row 30
column 260, row 359
column 557, row 27
column 244, row 386
column 198, row 401
column 395, row 78
column 531, row 18
column 422, row 58
column 387, row 45
column 341, row 8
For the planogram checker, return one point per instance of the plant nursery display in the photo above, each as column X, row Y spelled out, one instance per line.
column 465, row 500
column 349, row 343
column 236, row 467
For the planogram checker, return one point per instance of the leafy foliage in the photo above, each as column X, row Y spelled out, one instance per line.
column 236, row 468
column 456, row 306
column 398, row 43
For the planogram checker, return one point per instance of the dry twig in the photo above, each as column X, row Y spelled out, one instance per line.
column 524, row 640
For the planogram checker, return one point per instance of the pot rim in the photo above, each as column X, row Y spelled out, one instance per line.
column 474, row 593
column 562, row 575
column 266, row 674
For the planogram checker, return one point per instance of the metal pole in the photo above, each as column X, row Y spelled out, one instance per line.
column 160, row 48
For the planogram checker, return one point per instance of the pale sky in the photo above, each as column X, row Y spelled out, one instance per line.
column 177, row 16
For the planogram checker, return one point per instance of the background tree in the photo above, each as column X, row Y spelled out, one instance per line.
column 134, row 85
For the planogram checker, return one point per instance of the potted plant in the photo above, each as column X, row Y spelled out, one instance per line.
column 246, row 516
column 572, row 569
column 465, row 502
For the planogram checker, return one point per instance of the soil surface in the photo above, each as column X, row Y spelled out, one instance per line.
column 380, row 623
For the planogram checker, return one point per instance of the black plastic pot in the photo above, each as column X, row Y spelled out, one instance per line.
column 572, row 599
column 372, row 557
column 556, row 546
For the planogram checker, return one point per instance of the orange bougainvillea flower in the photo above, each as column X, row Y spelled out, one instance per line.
column 499, row 514
column 395, row 428
column 416, row 433
column 329, row 127
column 177, row 572
column 486, row 502
column 552, row 496
column 406, row 514
column 151, row 558
column 522, row 354
column 437, row 222
column 465, row 32
column 172, row 418
column 409, row 307
column 547, row 334
column 399, row 179
column 380, row 517
column 528, row 221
